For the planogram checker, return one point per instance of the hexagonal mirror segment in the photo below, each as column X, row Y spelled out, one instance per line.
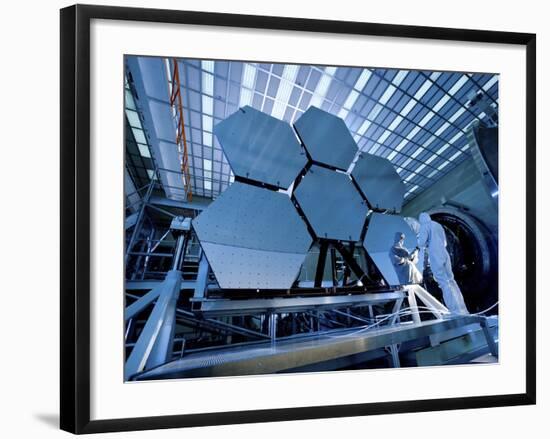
column 253, row 238
column 382, row 234
column 260, row 147
column 326, row 138
column 332, row 204
column 379, row 182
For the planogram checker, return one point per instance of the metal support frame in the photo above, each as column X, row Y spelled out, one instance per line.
column 202, row 277
column 394, row 352
column 273, row 327
column 347, row 269
column 142, row 303
column 321, row 262
column 351, row 263
column 490, row 340
column 179, row 252
column 154, row 345
column 413, row 305
column 137, row 228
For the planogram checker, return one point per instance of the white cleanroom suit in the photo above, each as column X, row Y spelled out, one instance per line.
column 432, row 237
column 404, row 262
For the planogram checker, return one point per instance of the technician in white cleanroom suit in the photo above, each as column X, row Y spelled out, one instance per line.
column 432, row 236
column 404, row 262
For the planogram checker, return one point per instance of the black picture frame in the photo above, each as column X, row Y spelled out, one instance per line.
column 75, row 217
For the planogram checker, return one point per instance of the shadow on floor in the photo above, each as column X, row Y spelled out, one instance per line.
column 49, row 419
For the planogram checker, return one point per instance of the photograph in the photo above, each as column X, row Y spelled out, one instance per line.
column 295, row 218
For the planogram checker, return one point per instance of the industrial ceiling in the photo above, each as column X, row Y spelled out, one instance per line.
column 416, row 119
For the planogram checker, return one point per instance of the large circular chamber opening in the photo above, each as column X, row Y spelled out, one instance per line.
column 473, row 250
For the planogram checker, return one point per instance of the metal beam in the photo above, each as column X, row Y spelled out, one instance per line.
column 321, row 261
column 136, row 285
column 285, row 355
column 293, row 304
column 144, row 301
column 198, row 203
column 154, row 344
column 351, row 262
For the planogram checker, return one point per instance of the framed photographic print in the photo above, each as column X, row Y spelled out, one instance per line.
column 285, row 218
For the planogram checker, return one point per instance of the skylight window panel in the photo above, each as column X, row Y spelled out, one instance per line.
column 364, row 127
column 322, row 87
column 458, row 113
column 442, row 128
column 246, row 97
column 414, row 188
column 430, row 141
column 455, row 155
column 434, row 76
column 284, row 91
column 413, row 132
column 208, row 66
column 417, row 152
column 207, row 123
column 490, row 83
column 387, row 95
column 249, row 75
column 395, row 123
column 423, row 89
column 133, row 119
column 426, row 119
column 384, row 136
column 355, row 93
column 362, row 80
column 401, row 145
column 441, row 102
column 144, row 150
column 398, row 79
column 431, row 159
column 129, row 100
column 139, row 136
column 374, row 148
column 404, row 165
column 248, row 78
column 207, row 105
column 458, row 84
column 431, row 174
column 374, row 112
column 420, row 168
column 392, row 155
column 443, row 149
column 207, row 185
column 352, row 97
column 206, row 138
column 407, row 108
column 442, row 165
column 207, row 83
column 151, row 174
column 456, row 137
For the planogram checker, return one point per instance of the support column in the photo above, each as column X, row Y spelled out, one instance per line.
column 154, row 345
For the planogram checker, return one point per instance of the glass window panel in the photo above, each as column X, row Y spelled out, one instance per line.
column 133, row 119
column 139, row 136
column 129, row 100
column 144, row 150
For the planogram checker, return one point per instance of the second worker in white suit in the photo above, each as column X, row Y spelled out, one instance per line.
column 432, row 237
